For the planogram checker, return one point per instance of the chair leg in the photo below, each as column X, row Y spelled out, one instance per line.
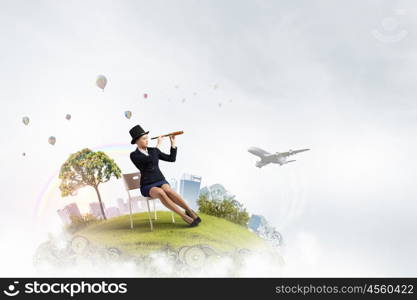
column 149, row 214
column 154, row 210
column 130, row 213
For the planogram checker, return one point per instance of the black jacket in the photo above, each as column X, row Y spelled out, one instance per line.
column 148, row 165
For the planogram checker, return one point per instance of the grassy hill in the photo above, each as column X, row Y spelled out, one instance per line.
column 220, row 234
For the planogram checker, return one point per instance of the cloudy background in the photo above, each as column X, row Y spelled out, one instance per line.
column 334, row 76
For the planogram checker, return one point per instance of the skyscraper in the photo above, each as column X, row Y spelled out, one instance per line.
column 112, row 211
column 123, row 209
column 259, row 225
column 190, row 189
column 256, row 222
column 214, row 191
column 95, row 209
column 136, row 204
column 68, row 211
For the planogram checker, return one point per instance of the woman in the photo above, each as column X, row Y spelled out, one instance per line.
column 152, row 181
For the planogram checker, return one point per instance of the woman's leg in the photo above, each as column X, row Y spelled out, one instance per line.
column 175, row 197
column 156, row 192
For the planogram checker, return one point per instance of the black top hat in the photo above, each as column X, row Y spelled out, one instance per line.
column 136, row 132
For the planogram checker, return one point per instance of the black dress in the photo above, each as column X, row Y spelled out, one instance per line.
column 148, row 166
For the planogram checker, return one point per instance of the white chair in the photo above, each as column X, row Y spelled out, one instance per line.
column 132, row 182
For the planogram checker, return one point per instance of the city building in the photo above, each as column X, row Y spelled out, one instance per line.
column 123, row 209
column 260, row 226
column 95, row 209
column 68, row 211
column 215, row 191
column 256, row 222
column 137, row 205
column 190, row 189
column 112, row 211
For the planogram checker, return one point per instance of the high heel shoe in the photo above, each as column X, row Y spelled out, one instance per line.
column 192, row 224
column 198, row 219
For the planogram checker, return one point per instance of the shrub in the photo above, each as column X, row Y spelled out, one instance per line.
column 227, row 208
column 78, row 222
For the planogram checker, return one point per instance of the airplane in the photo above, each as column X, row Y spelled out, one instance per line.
column 275, row 158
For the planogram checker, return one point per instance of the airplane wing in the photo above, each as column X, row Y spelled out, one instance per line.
column 260, row 164
column 258, row 151
column 291, row 152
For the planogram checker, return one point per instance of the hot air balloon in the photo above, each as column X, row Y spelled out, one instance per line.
column 128, row 114
column 68, row 117
column 101, row 81
column 145, row 95
column 25, row 120
column 52, row 140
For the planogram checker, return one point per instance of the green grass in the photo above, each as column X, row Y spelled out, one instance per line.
column 220, row 234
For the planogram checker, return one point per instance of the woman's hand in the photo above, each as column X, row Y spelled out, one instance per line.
column 172, row 138
column 159, row 141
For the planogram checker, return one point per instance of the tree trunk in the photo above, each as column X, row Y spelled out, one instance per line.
column 101, row 203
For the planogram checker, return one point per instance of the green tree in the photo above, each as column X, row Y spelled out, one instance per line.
column 227, row 208
column 87, row 168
